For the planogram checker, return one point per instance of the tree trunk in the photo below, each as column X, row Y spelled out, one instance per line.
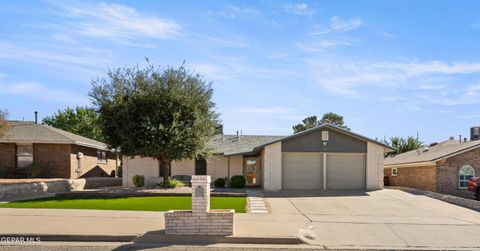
column 163, row 165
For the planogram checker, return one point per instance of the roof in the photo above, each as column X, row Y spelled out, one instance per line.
column 231, row 145
column 257, row 148
column 38, row 133
column 436, row 152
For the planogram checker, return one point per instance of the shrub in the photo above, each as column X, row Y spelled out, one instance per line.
column 237, row 181
column 171, row 184
column 220, row 182
column 139, row 180
column 3, row 174
column 33, row 170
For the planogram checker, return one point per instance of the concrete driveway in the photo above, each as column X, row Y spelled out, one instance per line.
column 380, row 219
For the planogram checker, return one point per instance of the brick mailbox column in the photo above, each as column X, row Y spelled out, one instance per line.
column 200, row 220
column 200, row 194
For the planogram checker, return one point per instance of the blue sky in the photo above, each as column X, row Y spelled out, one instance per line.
column 391, row 68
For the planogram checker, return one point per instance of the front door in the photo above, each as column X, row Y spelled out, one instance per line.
column 200, row 167
column 252, row 171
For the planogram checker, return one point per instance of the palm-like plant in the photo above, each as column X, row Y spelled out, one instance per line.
column 405, row 144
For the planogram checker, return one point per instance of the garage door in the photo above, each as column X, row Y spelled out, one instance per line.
column 302, row 171
column 346, row 171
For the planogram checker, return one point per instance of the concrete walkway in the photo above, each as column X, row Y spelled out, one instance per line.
column 122, row 223
column 390, row 219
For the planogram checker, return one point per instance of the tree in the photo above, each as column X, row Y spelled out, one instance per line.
column 327, row 118
column 334, row 119
column 3, row 122
column 405, row 144
column 167, row 114
column 83, row 121
column 308, row 123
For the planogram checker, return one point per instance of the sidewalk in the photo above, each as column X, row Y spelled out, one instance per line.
column 125, row 223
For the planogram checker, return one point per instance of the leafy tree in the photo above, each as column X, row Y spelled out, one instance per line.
column 167, row 114
column 334, row 119
column 405, row 144
column 307, row 123
column 327, row 118
column 3, row 122
column 83, row 121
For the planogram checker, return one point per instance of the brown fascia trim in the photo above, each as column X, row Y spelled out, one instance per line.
column 412, row 164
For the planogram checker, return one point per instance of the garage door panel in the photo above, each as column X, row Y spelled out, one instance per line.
column 302, row 171
column 346, row 171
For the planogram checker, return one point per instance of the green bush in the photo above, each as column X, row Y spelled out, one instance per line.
column 171, row 184
column 220, row 182
column 139, row 180
column 3, row 174
column 237, row 181
column 33, row 170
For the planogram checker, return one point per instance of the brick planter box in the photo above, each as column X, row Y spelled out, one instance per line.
column 214, row 222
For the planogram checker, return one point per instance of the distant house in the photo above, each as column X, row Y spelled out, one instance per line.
column 321, row 158
column 60, row 154
column 442, row 167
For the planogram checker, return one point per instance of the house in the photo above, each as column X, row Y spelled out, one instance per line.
column 325, row 157
column 60, row 154
column 442, row 167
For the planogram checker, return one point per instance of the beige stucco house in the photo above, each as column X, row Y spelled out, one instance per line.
column 325, row 157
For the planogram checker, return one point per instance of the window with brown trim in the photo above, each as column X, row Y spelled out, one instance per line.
column 24, row 155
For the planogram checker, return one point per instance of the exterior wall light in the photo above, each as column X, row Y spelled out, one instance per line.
column 324, row 137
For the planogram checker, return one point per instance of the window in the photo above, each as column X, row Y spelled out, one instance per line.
column 24, row 155
column 394, row 171
column 465, row 173
column 102, row 157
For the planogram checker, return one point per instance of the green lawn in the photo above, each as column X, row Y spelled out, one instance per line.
column 154, row 203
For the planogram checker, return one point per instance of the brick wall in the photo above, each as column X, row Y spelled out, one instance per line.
column 54, row 159
column 447, row 173
column 423, row 178
column 7, row 156
column 89, row 163
column 218, row 222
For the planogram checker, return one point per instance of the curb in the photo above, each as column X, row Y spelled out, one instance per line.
column 210, row 239
column 160, row 238
column 73, row 237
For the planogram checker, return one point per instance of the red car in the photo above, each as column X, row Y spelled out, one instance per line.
column 474, row 186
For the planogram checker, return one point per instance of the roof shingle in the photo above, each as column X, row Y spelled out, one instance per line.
column 433, row 153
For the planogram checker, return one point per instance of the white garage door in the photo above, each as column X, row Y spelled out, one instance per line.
column 302, row 171
column 345, row 171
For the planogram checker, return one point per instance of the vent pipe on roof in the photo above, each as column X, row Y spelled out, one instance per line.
column 460, row 138
column 36, row 117
column 464, row 140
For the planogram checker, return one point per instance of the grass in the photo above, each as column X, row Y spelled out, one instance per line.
column 153, row 203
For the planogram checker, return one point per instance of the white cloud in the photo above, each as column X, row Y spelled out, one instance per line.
column 337, row 25
column 341, row 25
column 79, row 56
column 115, row 21
column 38, row 91
column 348, row 77
column 299, row 9
column 232, row 68
column 233, row 11
column 322, row 44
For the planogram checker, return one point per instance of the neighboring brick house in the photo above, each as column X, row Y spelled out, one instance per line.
column 442, row 167
column 60, row 154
